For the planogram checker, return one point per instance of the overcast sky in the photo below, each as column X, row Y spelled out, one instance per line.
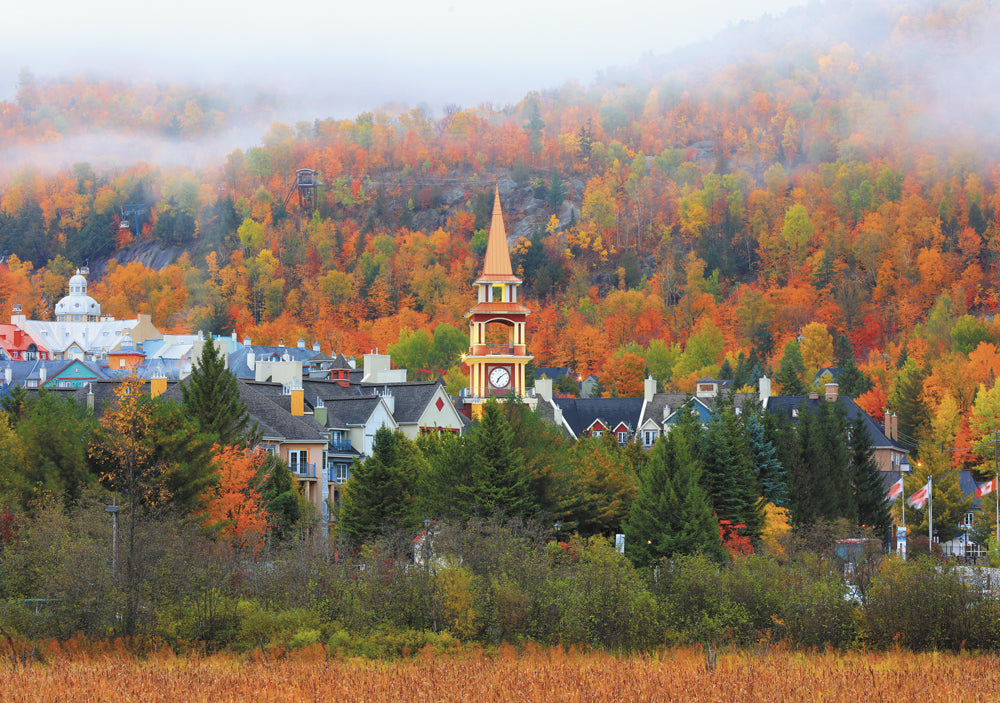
column 357, row 55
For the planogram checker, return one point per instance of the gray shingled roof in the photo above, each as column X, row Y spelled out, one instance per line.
column 580, row 413
column 782, row 406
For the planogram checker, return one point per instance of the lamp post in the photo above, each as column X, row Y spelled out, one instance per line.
column 113, row 509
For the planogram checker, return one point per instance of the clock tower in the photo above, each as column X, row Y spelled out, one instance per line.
column 496, row 363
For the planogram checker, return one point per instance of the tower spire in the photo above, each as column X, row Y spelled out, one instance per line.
column 497, row 266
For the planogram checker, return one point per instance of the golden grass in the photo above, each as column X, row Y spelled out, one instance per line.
column 505, row 675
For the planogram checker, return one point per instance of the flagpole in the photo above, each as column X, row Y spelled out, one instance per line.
column 996, row 482
column 930, row 512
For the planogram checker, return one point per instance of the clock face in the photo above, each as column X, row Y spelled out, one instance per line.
column 499, row 377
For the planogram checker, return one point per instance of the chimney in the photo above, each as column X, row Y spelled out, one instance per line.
column 157, row 386
column 316, row 347
column 895, row 427
column 764, row 390
column 8, row 374
column 90, row 397
column 42, row 376
column 543, row 388
column 832, row 392
column 298, row 399
column 319, row 412
column 813, row 395
column 649, row 389
column 301, row 344
column 887, row 425
column 251, row 360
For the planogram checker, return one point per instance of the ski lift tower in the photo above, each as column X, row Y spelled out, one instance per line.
column 306, row 181
column 132, row 209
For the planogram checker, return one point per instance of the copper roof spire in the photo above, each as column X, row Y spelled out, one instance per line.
column 497, row 266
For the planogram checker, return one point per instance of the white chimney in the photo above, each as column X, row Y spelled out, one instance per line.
column 8, row 374
column 251, row 360
column 42, row 376
column 649, row 389
column 764, row 390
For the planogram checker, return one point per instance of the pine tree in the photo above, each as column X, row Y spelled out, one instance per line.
column 379, row 496
column 671, row 514
column 908, row 400
column 789, row 376
column 728, row 474
column 500, row 481
column 869, row 490
column 212, row 399
column 819, row 467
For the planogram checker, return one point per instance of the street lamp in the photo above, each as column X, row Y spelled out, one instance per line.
column 113, row 509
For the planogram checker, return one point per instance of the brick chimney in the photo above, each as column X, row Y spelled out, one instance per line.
column 895, row 427
column 832, row 391
column 887, row 424
column 157, row 386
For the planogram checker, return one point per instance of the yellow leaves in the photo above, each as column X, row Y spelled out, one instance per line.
column 776, row 525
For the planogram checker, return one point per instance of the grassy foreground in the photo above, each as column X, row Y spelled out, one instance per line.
column 507, row 675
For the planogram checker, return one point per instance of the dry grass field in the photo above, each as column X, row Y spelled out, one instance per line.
column 506, row 675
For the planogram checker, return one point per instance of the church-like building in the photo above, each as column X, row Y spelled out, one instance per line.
column 498, row 345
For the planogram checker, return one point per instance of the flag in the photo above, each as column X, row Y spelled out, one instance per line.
column 895, row 490
column 919, row 499
column 986, row 488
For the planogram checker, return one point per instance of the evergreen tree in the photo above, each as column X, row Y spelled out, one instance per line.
column 212, row 398
column 869, row 490
column 379, row 496
column 671, row 514
column 54, row 432
column 500, row 482
column 908, row 401
column 771, row 475
column 853, row 381
column 821, row 485
column 282, row 501
column 789, row 376
column 728, row 472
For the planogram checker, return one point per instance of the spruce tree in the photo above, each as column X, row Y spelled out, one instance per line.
column 671, row 514
column 211, row 397
column 771, row 475
column 789, row 376
column 869, row 491
column 728, row 474
column 500, row 481
column 379, row 496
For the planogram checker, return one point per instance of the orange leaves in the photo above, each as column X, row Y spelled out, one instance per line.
column 234, row 506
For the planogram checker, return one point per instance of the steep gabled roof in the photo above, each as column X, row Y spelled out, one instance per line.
column 580, row 413
column 783, row 405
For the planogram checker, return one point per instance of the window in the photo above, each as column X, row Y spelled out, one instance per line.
column 340, row 472
column 497, row 293
column 649, row 437
column 596, row 433
column 298, row 461
column 622, row 437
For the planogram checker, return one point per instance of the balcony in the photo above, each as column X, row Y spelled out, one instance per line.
column 303, row 470
column 341, row 445
column 498, row 350
column 338, row 474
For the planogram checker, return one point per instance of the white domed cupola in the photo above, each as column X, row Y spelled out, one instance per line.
column 77, row 306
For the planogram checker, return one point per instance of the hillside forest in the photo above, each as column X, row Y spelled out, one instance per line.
column 806, row 204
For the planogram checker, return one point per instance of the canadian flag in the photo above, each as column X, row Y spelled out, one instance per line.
column 895, row 490
column 986, row 488
column 919, row 498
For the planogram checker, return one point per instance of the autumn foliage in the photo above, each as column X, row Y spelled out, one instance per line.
column 233, row 506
